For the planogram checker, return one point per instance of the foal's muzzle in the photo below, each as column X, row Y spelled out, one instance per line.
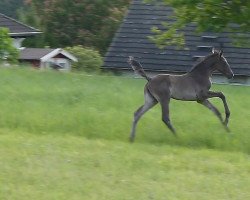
column 130, row 58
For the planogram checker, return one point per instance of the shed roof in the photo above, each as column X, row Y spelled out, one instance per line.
column 34, row 53
column 132, row 39
column 43, row 54
column 16, row 28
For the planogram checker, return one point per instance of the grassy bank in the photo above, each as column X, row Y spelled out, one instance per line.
column 102, row 107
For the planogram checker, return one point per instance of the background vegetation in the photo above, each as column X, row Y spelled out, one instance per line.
column 10, row 7
column 65, row 136
column 71, row 22
column 93, row 23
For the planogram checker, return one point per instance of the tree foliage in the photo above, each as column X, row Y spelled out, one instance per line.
column 209, row 15
column 28, row 15
column 7, row 51
column 9, row 7
column 73, row 22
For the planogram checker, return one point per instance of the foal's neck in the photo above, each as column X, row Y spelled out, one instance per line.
column 205, row 67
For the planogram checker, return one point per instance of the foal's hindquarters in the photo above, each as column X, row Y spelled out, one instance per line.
column 156, row 90
column 150, row 101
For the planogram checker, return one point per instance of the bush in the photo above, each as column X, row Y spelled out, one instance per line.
column 7, row 51
column 89, row 60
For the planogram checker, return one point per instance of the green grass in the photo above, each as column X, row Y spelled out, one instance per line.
column 102, row 107
column 65, row 136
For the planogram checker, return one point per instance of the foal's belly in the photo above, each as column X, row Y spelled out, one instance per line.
column 185, row 95
column 183, row 90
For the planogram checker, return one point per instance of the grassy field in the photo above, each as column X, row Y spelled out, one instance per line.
column 65, row 136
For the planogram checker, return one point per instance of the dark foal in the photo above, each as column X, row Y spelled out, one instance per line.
column 192, row 86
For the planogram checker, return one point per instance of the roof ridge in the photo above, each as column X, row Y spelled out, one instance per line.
column 10, row 18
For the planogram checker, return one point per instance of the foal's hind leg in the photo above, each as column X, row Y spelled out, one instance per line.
column 149, row 103
column 162, row 94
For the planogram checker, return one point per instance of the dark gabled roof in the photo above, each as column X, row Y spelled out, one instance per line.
column 132, row 39
column 17, row 29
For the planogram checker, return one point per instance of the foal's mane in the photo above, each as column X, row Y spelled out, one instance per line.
column 202, row 60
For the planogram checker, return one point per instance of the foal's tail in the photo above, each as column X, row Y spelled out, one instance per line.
column 137, row 67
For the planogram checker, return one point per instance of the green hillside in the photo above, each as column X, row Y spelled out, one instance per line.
column 65, row 136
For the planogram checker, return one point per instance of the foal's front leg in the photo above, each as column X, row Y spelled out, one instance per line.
column 211, row 107
column 212, row 94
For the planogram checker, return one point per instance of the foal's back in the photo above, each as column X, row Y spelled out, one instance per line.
column 180, row 87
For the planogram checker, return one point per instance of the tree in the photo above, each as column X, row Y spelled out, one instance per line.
column 9, row 7
column 7, row 51
column 28, row 15
column 208, row 15
column 73, row 22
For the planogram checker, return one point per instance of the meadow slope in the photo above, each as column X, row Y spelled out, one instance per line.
column 65, row 136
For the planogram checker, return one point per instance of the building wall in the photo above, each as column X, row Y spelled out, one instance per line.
column 17, row 42
column 216, row 78
column 63, row 62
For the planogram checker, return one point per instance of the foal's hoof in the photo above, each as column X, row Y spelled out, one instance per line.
column 175, row 134
column 226, row 122
column 227, row 129
column 131, row 139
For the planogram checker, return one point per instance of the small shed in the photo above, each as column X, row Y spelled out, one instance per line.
column 46, row 58
column 132, row 40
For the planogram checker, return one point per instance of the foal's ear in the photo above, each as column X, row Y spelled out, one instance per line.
column 213, row 50
column 221, row 52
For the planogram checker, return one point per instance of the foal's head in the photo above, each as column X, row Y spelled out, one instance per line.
column 221, row 64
